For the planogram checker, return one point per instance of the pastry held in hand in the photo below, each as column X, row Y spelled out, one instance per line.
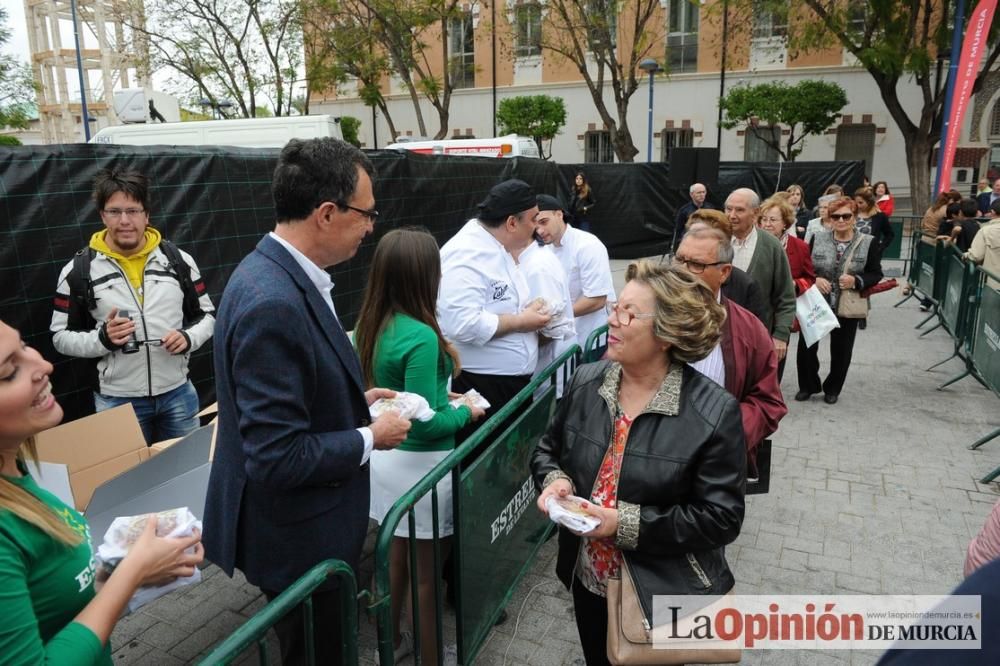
column 125, row 531
column 568, row 511
column 409, row 406
column 471, row 398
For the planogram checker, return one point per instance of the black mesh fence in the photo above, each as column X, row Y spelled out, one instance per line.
column 215, row 203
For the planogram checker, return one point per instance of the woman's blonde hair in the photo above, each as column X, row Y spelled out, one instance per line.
column 784, row 209
column 32, row 510
column 688, row 316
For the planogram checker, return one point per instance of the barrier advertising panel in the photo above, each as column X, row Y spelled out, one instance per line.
column 500, row 527
column 986, row 347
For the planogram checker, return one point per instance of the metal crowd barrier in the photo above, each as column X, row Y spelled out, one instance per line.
column 966, row 302
column 497, row 531
column 596, row 345
column 254, row 631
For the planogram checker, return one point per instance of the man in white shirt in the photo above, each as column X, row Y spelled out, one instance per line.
column 585, row 260
column 762, row 256
column 484, row 304
column 547, row 280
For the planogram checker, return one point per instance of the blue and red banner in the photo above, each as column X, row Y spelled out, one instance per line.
column 973, row 47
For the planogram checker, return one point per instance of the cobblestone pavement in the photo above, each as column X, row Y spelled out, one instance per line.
column 877, row 494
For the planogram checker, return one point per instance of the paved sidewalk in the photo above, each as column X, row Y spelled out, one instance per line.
column 877, row 494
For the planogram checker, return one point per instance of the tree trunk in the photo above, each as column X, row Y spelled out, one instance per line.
column 388, row 119
column 919, row 149
column 622, row 138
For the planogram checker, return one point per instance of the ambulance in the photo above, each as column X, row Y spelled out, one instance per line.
column 511, row 145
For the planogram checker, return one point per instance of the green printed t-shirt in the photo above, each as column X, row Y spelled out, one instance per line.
column 44, row 584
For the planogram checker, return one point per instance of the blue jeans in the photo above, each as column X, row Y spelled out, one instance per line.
column 165, row 416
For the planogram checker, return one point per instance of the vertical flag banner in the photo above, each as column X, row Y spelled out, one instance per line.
column 968, row 66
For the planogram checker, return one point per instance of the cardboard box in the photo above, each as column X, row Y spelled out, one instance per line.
column 176, row 477
column 94, row 449
column 160, row 447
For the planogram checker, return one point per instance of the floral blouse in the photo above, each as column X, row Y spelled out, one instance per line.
column 600, row 559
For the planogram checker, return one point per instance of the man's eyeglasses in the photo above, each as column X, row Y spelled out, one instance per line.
column 695, row 267
column 116, row 213
column 370, row 214
column 624, row 317
column 841, row 216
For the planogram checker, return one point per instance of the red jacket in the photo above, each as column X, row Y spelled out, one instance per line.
column 752, row 376
column 801, row 263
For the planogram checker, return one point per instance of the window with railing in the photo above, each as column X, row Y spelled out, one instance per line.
column 461, row 52
column 760, row 144
column 602, row 23
column 676, row 138
column 682, row 36
column 856, row 142
column 529, row 29
column 597, row 146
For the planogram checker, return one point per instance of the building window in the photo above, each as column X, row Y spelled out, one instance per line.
column 682, row 37
column 597, row 147
column 857, row 15
column 676, row 138
column 995, row 121
column 759, row 144
column 602, row 20
column 770, row 23
column 856, row 142
column 529, row 29
column 461, row 52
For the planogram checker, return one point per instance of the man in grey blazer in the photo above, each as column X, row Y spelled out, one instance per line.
column 289, row 486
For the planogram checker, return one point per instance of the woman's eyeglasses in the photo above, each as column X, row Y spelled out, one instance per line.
column 624, row 317
column 841, row 216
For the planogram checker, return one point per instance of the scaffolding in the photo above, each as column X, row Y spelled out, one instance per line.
column 112, row 56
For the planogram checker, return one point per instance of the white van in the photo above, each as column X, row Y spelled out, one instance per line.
column 511, row 145
column 248, row 132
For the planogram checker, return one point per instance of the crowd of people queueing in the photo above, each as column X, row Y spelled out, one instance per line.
column 659, row 437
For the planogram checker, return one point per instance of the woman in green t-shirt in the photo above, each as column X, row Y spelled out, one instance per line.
column 401, row 348
column 54, row 605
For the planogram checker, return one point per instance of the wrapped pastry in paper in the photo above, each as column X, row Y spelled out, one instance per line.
column 125, row 531
column 471, row 398
column 408, row 405
column 568, row 511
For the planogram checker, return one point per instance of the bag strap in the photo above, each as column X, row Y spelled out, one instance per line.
column 81, row 292
column 191, row 306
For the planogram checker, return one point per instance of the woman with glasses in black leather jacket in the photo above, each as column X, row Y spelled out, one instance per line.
column 654, row 447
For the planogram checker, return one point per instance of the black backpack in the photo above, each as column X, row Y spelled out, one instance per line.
column 81, row 288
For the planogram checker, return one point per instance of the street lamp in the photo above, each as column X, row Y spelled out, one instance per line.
column 652, row 67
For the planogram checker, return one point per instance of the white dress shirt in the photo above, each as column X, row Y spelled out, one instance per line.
column 713, row 366
column 480, row 282
column 585, row 260
column 547, row 279
column 324, row 285
column 744, row 250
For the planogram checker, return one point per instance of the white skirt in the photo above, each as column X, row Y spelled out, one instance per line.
column 394, row 473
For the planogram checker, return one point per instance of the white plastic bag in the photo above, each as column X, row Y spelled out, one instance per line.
column 816, row 319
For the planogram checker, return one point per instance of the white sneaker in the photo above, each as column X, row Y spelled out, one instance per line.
column 450, row 655
column 405, row 648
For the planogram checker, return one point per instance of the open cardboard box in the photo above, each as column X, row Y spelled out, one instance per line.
column 92, row 450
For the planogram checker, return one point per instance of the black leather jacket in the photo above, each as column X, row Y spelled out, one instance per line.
column 682, row 483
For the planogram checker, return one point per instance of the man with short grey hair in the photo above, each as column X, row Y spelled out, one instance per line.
column 697, row 192
column 743, row 362
column 762, row 256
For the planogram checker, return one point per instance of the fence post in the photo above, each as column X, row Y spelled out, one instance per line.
column 300, row 592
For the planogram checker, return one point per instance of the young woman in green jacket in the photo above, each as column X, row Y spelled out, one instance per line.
column 401, row 348
column 56, row 606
